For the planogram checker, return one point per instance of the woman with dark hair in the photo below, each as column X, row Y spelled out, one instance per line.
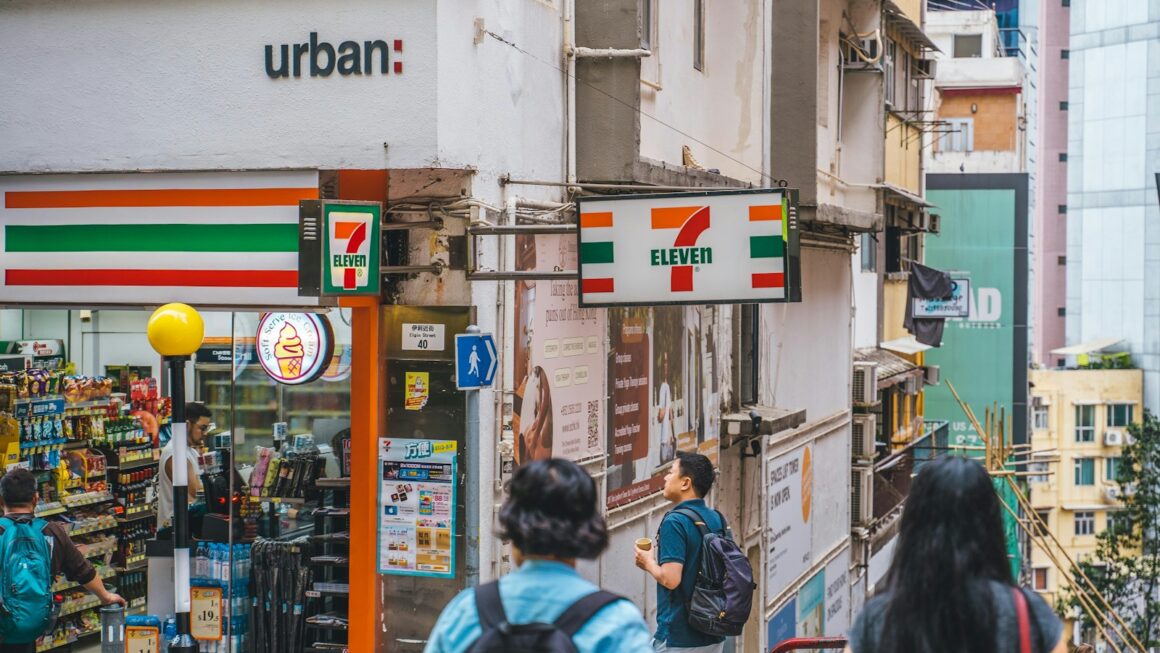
column 949, row 588
column 551, row 518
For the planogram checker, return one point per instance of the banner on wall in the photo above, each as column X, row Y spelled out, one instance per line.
column 811, row 602
column 783, row 625
column 837, row 615
column 664, row 378
column 417, row 507
column 789, row 536
column 558, row 409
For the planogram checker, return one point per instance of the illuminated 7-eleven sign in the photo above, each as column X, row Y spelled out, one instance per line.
column 351, row 248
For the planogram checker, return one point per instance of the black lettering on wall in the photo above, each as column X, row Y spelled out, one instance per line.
column 349, row 59
column 369, row 62
column 315, row 49
column 284, row 69
column 300, row 50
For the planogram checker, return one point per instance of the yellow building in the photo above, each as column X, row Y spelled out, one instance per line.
column 1079, row 420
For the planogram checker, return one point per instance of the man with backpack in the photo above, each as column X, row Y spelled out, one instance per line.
column 551, row 519
column 32, row 553
column 704, row 582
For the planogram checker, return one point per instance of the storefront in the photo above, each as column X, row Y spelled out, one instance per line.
column 291, row 383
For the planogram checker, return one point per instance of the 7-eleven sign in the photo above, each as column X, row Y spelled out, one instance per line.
column 351, row 249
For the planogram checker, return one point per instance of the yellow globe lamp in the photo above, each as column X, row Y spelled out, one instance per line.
column 175, row 330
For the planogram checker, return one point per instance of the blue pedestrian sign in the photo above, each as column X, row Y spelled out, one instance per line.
column 475, row 361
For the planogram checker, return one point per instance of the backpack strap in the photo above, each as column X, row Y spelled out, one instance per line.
column 697, row 520
column 1024, row 620
column 580, row 612
column 489, row 606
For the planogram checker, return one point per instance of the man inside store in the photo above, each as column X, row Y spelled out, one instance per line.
column 19, row 490
column 198, row 424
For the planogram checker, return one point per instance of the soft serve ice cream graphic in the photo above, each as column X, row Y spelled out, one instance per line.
column 289, row 352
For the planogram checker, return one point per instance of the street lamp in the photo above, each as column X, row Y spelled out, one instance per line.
column 175, row 331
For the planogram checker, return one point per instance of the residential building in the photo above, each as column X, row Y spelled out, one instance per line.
column 1079, row 420
column 1112, row 157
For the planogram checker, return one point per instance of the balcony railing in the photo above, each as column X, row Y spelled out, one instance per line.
column 893, row 474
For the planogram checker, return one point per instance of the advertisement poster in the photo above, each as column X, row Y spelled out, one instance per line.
column 418, row 390
column 811, row 602
column 837, row 617
column 558, row 410
column 417, row 507
column 664, row 378
column 790, row 495
column 783, row 625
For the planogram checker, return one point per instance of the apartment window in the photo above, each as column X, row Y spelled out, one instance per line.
column 1063, row 105
column 1042, row 525
column 1111, row 468
column 968, row 46
column 1066, row 3
column 888, row 60
column 1062, row 208
column 1085, row 471
column 1062, row 260
column 958, row 135
column 699, row 34
column 646, row 24
column 869, row 250
column 1065, row 54
column 1119, row 414
column 1085, row 422
column 1061, row 363
column 1063, row 157
column 750, row 351
column 1039, row 418
column 1039, row 579
column 1061, row 311
column 1038, row 471
column 1120, row 522
column 1085, row 523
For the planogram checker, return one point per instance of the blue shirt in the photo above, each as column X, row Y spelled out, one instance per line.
column 679, row 540
column 540, row 591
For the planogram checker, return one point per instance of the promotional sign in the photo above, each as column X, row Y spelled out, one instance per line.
column 351, row 248
column 475, row 360
column 558, row 408
column 664, row 379
column 294, row 348
column 837, row 575
column 417, row 507
column 142, row 639
column 958, row 305
column 811, row 602
column 689, row 248
column 206, row 613
column 790, row 495
column 418, row 390
column 783, row 625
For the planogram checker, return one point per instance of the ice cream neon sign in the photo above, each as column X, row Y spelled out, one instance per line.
column 295, row 348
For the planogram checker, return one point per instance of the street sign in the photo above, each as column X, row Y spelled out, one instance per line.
column 475, row 361
column 957, row 305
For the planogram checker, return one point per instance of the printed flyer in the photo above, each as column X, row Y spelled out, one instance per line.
column 417, row 507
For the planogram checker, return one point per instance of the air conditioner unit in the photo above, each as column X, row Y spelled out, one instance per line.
column 1129, row 438
column 1113, row 438
column 861, row 496
column 1112, row 493
column 865, row 383
column 864, row 430
column 932, row 375
column 934, row 224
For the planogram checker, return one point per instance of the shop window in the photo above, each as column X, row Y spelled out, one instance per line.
column 1120, row 415
column 1085, row 471
column 750, row 352
column 1085, row 423
column 699, row 35
column 968, row 46
column 1039, row 418
column 1085, row 523
column 869, row 250
column 1111, row 468
column 1039, row 579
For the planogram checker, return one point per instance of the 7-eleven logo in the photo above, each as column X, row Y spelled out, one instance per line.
column 690, row 222
column 349, row 250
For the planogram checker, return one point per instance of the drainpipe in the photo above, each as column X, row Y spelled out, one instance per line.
column 569, row 90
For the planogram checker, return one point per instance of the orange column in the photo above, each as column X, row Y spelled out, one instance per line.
column 366, row 607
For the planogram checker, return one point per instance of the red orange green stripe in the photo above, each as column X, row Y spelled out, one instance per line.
column 595, row 220
column 154, row 278
column 598, row 252
column 81, row 199
column 596, row 285
column 766, row 247
column 277, row 237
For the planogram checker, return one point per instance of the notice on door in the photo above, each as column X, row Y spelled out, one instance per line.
column 417, row 507
column 424, row 337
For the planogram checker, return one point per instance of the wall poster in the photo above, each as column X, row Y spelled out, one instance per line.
column 790, row 482
column 558, row 409
column 665, row 381
column 417, row 507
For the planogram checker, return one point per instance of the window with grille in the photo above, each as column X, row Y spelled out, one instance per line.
column 1039, row 581
column 1119, row 414
column 1085, row 523
column 1085, row 471
column 1039, row 418
column 1085, row 423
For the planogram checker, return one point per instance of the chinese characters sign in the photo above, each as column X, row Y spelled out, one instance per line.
column 417, row 507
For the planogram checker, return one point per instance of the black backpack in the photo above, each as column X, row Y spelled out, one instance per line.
column 499, row 636
column 723, row 591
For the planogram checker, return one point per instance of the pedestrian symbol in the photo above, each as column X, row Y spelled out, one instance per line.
column 475, row 361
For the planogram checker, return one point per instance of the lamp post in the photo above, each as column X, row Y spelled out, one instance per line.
column 175, row 331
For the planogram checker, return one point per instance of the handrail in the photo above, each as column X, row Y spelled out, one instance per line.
column 799, row 643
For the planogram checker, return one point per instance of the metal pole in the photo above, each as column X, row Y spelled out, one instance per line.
column 183, row 642
column 472, row 453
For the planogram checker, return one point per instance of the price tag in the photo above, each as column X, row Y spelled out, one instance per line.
column 206, row 613
column 142, row 639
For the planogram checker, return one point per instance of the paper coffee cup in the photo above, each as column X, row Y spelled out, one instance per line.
column 644, row 544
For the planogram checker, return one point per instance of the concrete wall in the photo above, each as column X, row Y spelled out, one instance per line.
column 994, row 117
